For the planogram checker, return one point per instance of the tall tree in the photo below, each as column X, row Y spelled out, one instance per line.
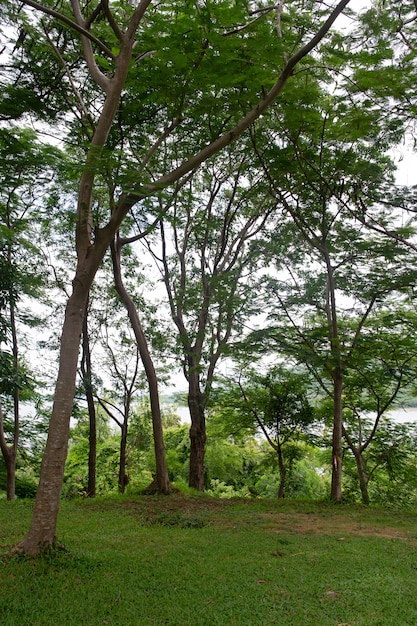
column 207, row 264
column 161, row 482
column 334, row 264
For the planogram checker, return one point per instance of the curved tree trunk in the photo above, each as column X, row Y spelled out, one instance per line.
column 161, row 482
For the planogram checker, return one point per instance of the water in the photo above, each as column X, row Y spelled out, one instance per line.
column 401, row 415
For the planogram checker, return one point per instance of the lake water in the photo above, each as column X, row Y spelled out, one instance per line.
column 404, row 415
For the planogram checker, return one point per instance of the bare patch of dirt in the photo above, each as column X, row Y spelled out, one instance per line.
column 332, row 525
column 234, row 513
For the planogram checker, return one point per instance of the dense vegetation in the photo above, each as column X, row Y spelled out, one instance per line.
column 206, row 189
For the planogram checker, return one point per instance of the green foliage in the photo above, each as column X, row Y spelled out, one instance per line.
column 276, row 405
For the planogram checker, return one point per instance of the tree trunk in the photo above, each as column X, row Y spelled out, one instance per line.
column 92, row 450
column 42, row 530
column 336, row 487
column 161, row 483
column 197, row 433
column 92, row 432
column 123, row 479
column 9, row 455
column 282, row 472
column 11, row 476
column 362, row 474
column 10, row 452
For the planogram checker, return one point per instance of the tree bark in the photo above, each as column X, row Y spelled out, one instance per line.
column 337, row 451
column 198, row 437
column 282, row 472
column 42, row 530
column 123, row 479
column 92, row 431
column 161, row 482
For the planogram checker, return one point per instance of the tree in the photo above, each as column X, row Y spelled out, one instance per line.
column 26, row 172
column 161, row 482
column 123, row 369
column 208, row 277
column 332, row 257
column 389, row 464
column 384, row 368
column 109, row 71
column 277, row 405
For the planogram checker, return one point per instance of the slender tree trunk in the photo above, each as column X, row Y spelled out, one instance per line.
column 161, row 482
column 282, row 472
column 337, row 450
column 362, row 475
column 9, row 455
column 198, row 435
column 92, row 450
column 10, row 452
column 123, row 479
column 11, row 476
column 92, row 432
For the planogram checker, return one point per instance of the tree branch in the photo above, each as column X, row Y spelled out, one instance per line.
column 231, row 135
column 96, row 74
column 66, row 20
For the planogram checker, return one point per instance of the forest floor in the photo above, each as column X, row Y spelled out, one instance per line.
column 191, row 560
column 280, row 516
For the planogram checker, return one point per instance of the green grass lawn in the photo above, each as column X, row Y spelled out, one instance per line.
column 188, row 561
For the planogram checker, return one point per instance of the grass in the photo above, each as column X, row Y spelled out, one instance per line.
column 197, row 561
